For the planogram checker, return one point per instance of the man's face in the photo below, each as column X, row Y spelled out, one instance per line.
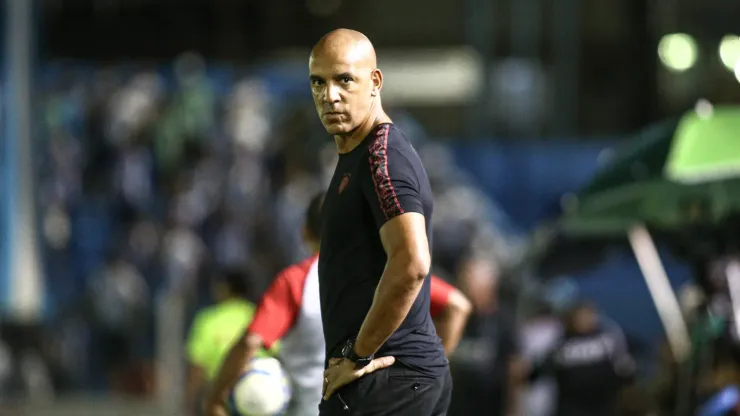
column 343, row 90
column 585, row 319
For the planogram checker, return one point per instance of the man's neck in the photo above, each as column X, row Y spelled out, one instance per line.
column 346, row 144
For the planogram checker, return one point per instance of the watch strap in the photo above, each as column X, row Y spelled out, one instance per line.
column 349, row 353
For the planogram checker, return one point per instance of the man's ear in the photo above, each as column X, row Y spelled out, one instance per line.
column 377, row 79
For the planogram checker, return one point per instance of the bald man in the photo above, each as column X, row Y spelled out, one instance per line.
column 384, row 355
column 290, row 311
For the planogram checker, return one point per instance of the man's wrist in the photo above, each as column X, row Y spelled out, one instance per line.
column 361, row 350
column 349, row 353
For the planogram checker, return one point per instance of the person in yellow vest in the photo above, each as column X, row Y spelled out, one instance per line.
column 214, row 331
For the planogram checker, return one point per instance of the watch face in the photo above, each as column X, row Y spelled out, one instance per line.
column 346, row 349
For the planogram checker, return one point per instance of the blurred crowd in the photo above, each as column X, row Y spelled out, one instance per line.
column 151, row 180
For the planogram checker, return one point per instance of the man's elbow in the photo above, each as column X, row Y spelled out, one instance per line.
column 414, row 267
column 459, row 304
column 246, row 346
column 419, row 268
column 250, row 342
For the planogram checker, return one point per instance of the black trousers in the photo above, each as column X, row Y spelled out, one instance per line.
column 394, row 391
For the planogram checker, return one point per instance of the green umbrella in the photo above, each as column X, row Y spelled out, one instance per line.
column 707, row 147
column 634, row 187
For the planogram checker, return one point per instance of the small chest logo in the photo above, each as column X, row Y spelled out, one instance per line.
column 345, row 181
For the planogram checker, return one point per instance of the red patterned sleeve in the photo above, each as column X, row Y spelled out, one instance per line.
column 440, row 295
column 393, row 188
column 279, row 306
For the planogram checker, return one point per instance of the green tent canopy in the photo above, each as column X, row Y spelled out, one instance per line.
column 706, row 148
column 639, row 185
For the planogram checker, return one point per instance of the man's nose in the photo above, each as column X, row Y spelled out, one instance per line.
column 332, row 93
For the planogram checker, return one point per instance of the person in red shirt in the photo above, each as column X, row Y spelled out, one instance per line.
column 289, row 311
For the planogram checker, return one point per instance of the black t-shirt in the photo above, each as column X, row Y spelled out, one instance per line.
column 378, row 180
column 590, row 369
column 481, row 365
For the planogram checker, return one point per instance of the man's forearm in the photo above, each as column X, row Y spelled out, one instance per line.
column 233, row 366
column 451, row 322
column 398, row 288
column 193, row 388
column 450, row 327
column 516, row 382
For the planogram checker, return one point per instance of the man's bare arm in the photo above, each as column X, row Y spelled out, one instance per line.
column 451, row 322
column 193, row 388
column 405, row 242
column 515, row 374
column 233, row 366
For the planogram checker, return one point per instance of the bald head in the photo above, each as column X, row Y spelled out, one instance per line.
column 346, row 45
column 345, row 81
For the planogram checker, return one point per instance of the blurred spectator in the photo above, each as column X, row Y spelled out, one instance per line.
column 24, row 373
column 289, row 216
column 183, row 251
column 247, row 118
column 713, row 364
column 215, row 329
column 590, row 364
column 118, row 301
column 539, row 335
column 485, row 366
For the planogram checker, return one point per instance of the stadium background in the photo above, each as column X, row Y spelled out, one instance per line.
column 180, row 135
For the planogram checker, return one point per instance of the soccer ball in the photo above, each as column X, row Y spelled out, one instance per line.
column 262, row 390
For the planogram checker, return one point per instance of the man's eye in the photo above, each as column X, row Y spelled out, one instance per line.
column 316, row 82
column 346, row 80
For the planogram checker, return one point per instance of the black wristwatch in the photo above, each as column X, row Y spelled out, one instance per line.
column 348, row 352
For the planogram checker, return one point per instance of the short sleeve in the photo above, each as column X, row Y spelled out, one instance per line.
column 440, row 295
column 279, row 307
column 198, row 348
column 622, row 361
column 394, row 187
